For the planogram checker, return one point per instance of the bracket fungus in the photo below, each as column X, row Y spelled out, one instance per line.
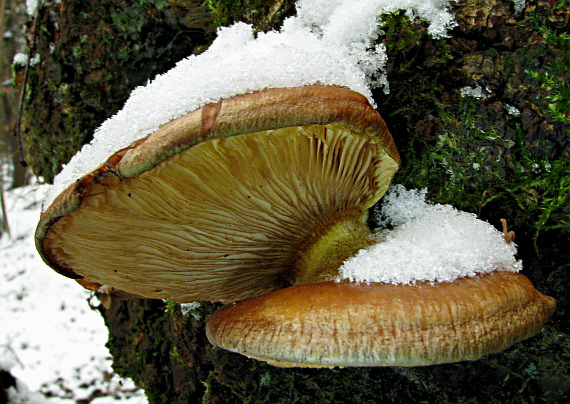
column 329, row 324
column 236, row 199
column 258, row 199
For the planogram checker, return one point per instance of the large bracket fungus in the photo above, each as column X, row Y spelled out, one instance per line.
column 266, row 191
column 234, row 200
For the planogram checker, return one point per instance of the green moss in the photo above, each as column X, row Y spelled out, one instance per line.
column 473, row 166
column 474, row 153
column 131, row 21
column 263, row 14
column 555, row 77
column 135, row 334
column 88, row 69
column 175, row 355
column 409, row 33
column 541, row 191
column 170, row 306
column 484, row 156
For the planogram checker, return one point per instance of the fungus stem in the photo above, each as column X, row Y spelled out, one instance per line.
column 336, row 240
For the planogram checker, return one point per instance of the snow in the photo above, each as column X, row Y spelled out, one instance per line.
column 328, row 42
column 519, row 6
column 50, row 339
column 191, row 309
column 22, row 59
column 22, row 394
column 31, row 6
column 511, row 110
column 428, row 242
column 475, row 92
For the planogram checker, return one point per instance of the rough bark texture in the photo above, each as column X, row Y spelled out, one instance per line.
column 505, row 155
column 91, row 55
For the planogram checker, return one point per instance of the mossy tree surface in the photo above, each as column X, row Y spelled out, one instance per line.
column 90, row 55
column 503, row 155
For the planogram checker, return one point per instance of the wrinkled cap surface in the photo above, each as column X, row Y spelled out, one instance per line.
column 347, row 324
column 215, row 204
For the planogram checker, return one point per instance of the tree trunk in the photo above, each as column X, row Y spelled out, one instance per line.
column 12, row 18
column 503, row 154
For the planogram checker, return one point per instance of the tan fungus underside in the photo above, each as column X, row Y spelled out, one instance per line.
column 224, row 219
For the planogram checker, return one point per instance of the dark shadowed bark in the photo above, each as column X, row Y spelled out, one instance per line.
column 502, row 155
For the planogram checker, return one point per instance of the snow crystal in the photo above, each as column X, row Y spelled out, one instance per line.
column 328, row 42
column 190, row 308
column 475, row 92
column 430, row 242
column 31, row 6
column 511, row 110
column 519, row 6
column 20, row 59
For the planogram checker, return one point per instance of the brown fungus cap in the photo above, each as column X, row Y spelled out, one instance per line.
column 217, row 204
column 346, row 324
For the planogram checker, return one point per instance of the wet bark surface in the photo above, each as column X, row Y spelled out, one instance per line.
column 501, row 155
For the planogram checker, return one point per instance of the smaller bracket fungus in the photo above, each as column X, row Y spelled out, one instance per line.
column 331, row 323
column 439, row 286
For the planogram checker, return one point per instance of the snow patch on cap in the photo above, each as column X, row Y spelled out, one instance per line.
column 429, row 242
column 330, row 47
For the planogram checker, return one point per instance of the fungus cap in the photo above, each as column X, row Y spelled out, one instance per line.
column 348, row 324
column 217, row 204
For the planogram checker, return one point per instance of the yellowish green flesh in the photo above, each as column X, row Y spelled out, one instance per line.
column 322, row 254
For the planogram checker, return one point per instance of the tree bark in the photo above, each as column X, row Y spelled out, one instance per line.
column 12, row 18
column 502, row 155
